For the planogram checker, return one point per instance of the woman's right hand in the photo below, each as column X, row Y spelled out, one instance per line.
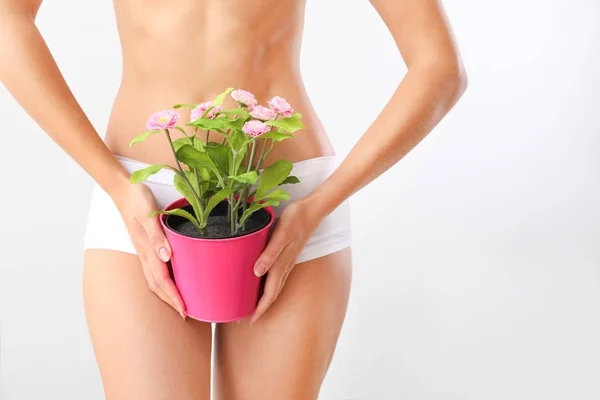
column 135, row 202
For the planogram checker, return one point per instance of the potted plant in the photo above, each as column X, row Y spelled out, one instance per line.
column 220, row 225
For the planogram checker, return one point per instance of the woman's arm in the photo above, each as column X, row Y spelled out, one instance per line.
column 434, row 82
column 29, row 72
column 31, row 75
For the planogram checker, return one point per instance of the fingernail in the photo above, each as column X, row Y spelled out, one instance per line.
column 182, row 315
column 259, row 269
column 163, row 254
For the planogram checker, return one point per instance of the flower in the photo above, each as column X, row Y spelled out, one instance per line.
column 255, row 128
column 263, row 113
column 246, row 99
column 281, row 106
column 201, row 109
column 166, row 119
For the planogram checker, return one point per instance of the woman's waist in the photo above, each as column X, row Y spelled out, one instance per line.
column 134, row 105
column 304, row 146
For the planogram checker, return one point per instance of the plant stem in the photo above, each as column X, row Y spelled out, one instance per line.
column 264, row 154
column 225, row 137
column 207, row 132
column 232, row 170
column 196, row 170
column 251, row 155
column 197, row 181
column 199, row 217
column 231, row 199
column 244, row 204
column 244, row 194
column 233, row 221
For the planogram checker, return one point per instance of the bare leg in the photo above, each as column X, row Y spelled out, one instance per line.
column 286, row 354
column 144, row 349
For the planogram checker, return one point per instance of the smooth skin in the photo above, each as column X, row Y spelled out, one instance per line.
column 189, row 51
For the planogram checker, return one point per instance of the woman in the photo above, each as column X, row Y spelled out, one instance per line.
column 189, row 51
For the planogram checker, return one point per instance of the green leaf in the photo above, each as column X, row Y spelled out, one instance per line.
column 143, row 174
column 220, row 98
column 273, row 176
column 290, row 180
column 176, row 106
column 179, row 212
column 192, row 178
column 198, row 144
column 144, row 136
column 180, row 129
column 291, row 124
column 213, row 124
column 276, row 136
column 182, row 187
column 178, row 143
column 194, row 158
column 205, row 180
column 216, row 199
column 238, row 140
column 240, row 158
column 239, row 112
column 255, row 207
column 237, row 123
column 277, row 194
column 218, row 153
column 248, row 178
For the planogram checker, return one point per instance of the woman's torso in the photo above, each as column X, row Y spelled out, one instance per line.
column 189, row 51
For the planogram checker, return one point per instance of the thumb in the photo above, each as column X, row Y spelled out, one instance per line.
column 157, row 238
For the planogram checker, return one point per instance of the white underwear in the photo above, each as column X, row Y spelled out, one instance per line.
column 105, row 228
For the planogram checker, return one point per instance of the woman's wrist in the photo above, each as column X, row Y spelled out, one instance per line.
column 117, row 184
column 322, row 202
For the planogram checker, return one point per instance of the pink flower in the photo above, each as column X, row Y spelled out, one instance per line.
column 281, row 106
column 201, row 109
column 246, row 99
column 255, row 128
column 263, row 113
column 166, row 119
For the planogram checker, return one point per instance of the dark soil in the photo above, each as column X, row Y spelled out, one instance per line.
column 218, row 227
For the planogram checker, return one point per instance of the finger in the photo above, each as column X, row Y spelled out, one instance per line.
column 152, row 284
column 270, row 254
column 276, row 278
column 156, row 237
column 165, row 288
column 270, row 293
column 157, row 290
column 286, row 275
column 160, row 281
column 288, row 258
column 155, row 271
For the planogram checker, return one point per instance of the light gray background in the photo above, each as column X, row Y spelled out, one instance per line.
column 476, row 258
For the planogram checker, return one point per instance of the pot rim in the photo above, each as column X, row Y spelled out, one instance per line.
column 183, row 200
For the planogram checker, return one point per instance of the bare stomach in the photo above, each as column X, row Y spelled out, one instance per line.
column 136, row 100
column 192, row 50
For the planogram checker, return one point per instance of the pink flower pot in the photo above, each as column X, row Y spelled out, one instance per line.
column 215, row 277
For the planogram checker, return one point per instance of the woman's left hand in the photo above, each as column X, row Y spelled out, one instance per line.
column 292, row 230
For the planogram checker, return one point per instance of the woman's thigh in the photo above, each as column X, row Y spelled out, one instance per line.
column 143, row 347
column 287, row 352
